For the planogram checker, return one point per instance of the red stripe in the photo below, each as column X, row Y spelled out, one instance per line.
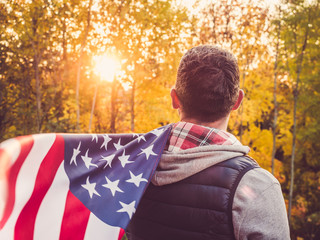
column 25, row 224
column 121, row 233
column 26, row 143
column 75, row 219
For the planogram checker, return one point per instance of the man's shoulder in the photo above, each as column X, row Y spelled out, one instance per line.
column 241, row 163
column 251, row 175
column 258, row 207
column 256, row 181
column 261, row 176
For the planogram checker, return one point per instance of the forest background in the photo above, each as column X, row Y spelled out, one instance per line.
column 49, row 81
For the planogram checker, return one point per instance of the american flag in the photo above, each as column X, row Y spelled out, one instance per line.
column 75, row 186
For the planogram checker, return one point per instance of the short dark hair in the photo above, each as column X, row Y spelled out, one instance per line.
column 207, row 83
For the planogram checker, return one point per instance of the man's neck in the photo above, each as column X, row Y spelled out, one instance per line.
column 219, row 124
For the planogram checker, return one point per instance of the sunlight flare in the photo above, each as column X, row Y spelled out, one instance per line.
column 106, row 66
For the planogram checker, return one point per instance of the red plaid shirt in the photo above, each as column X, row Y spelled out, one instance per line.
column 186, row 135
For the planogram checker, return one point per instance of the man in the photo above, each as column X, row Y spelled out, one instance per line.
column 205, row 186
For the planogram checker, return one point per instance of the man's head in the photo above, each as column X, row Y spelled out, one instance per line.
column 207, row 85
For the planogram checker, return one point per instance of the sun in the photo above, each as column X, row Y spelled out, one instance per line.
column 106, row 66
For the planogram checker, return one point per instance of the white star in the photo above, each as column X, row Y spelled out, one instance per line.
column 75, row 154
column 90, row 187
column 87, row 160
column 108, row 159
column 94, row 137
column 118, row 145
column 128, row 208
column 124, row 159
column 157, row 132
column 113, row 186
column 134, row 135
column 141, row 137
column 148, row 151
column 106, row 139
column 136, row 179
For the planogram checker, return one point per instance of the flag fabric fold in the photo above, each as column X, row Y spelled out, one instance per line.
column 75, row 186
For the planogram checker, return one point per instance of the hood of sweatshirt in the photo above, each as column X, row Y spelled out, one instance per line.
column 176, row 166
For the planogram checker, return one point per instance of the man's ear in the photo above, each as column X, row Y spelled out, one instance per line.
column 239, row 100
column 174, row 99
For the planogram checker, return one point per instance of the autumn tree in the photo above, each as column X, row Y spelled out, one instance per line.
column 146, row 36
column 300, row 46
column 30, row 55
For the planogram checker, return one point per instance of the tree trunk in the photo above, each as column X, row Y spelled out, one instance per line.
column 64, row 50
column 38, row 91
column 275, row 103
column 295, row 103
column 241, row 107
column 113, row 107
column 275, row 119
column 93, row 106
column 80, row 63
column 133, row 90
column 36, row 61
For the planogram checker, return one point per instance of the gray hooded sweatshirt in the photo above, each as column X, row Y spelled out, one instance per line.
column 258, row 209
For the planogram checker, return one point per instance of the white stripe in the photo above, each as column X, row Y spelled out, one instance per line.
column 50, row 214
column 96, row 229
column 12, row 148
column 26, row 180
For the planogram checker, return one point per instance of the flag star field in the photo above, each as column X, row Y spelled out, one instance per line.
column 109, row 173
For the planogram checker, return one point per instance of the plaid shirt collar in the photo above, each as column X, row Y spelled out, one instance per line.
column 186, row 135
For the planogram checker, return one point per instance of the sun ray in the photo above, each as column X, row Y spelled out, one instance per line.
column 106, row 66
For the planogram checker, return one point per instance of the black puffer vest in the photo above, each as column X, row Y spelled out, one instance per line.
column 198, row 207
